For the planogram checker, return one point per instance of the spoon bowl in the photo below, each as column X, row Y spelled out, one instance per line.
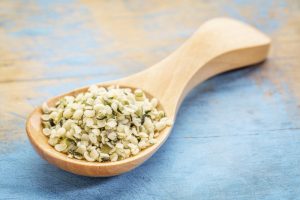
column 82, row 167
column 219, row 45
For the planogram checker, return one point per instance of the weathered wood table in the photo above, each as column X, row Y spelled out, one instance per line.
column 236, row 137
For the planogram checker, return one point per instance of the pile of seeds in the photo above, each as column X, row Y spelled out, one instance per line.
column 103, row 124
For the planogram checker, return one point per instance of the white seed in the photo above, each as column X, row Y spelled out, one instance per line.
column 169, row 122
column 142, row 144
column 45, row 108
column 60, row 147
column 101, row 123
column 152, row 141
column 147, row 107
column 53, row 133
column 77, row 135
column 143, row 134
column 93, row 88
column 114, row 157
column 90, row 101
column 78, row 157
column 67, row 113
column 77, row 129
column 70, row 156
column 136, row 121
column 99, row 107
column 125, row 121
column 93, row 138
column 78, row 114
column 108, row 110
column 46, row 131
column 89, row 113
column 132, row 146
column 104, row 156
column 86, row 143
column 69, row 99
column 112, row 136
column 53, row 141
column 45, row 117
column 114, row 106
column 96, row 132
column 135, row 151
column 75, row 106
column 81, row 149
column 60, row 132
column 119, row 146
column 85, row 137
column 133, row 140
column 160, row 125
column 151, row 135
column 87, row 157
column 148, row 124
column 138, row 93
column 68, row 124
column 89, row 122
column 69, row 134
column 111, row 123
column 53, row 115
column 94, row 154
column 121, row 135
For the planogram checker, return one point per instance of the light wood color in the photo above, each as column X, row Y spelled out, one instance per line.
column 219, row 45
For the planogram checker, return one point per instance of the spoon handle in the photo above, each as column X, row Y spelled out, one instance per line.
column 219, row 45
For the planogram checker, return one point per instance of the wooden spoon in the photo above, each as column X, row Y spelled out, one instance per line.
column 219, row 45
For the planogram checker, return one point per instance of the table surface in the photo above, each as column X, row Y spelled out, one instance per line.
column 237, row 136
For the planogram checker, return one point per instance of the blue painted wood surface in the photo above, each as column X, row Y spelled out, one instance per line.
column 236, row 136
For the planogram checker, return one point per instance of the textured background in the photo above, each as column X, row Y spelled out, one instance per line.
column 237, row 136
